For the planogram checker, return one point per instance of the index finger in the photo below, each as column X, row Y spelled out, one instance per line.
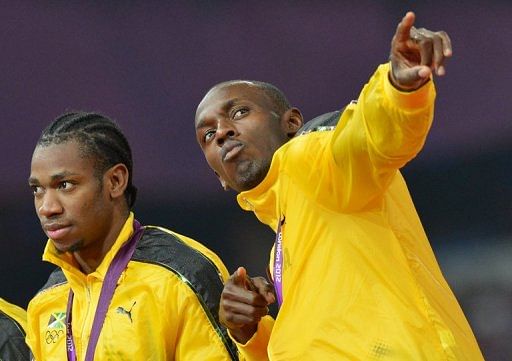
column 403, row 30
column 447, row 43
column 264, row 288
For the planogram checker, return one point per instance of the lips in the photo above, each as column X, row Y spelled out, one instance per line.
column 230, row 150
column 56, row 231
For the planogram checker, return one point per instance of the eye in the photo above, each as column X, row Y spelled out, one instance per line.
column 239, row 113
column 65, row 185
column 36, row 190
column 208, row 135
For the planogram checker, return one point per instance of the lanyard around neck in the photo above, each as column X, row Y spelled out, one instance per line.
column 278, row 263
column 115, row 269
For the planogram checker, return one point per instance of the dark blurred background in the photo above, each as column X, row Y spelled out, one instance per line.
column 147, row 65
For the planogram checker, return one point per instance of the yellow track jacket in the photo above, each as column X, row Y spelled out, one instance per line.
column 165, row 306
column 360, row 280
column 13, row 322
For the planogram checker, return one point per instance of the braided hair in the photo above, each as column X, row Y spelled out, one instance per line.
column 97, row 136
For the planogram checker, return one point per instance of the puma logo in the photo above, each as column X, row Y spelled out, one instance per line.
column 128, row 313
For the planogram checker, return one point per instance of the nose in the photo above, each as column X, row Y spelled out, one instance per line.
column 225, row 130
column 48, row 206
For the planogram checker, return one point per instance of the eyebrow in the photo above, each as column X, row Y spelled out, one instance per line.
column 227, row 105
column 53, row 178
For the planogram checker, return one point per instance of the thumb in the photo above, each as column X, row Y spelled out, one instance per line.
column 412, row 78
column 239, row 277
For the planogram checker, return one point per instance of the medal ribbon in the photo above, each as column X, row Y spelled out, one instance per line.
column 278, row 263
column 115, row 269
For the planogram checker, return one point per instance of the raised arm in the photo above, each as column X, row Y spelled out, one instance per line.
column 389, row 124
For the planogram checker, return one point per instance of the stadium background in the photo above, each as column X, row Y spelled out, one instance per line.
column 147, row 65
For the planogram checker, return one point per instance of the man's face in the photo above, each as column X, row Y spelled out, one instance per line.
column 238, row 131
column 72, row 204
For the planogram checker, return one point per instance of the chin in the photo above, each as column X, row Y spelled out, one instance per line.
column 247, row 184
column 63, row 247
column 251, row 177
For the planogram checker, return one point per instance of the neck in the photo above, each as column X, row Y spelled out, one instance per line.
column 87, row 265
column 90, row 257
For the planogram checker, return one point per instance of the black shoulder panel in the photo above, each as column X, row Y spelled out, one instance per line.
column 160, row 247
column 325, row 121
column 56, row 278
column 12, row 340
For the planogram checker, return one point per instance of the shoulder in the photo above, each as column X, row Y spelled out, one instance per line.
column 12, row 332
column 10, row 313
column 197, row 267
column 12, row 340
column 170, row 249
column 9, row 327
column 192, row 262
column 55, row 289
column 314, row 133
column 55, row 279
column 308, row 145
column 323, row 122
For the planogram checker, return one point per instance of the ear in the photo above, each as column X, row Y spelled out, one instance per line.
column 222, row 182
column 291, row 121
column 117, row 180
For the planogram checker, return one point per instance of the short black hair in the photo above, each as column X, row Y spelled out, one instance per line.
column 274, row 93
column 98, row 136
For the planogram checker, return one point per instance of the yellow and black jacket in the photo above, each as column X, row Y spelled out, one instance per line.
column 13, row 321
column 165, row 306
column 360, row 280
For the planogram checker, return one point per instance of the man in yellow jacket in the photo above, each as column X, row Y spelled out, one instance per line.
column 353, row 271
column 13, row 321
column 122, row 291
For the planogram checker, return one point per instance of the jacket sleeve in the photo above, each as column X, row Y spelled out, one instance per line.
column 378, row 135
column 198, row 337
column 256, row 348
